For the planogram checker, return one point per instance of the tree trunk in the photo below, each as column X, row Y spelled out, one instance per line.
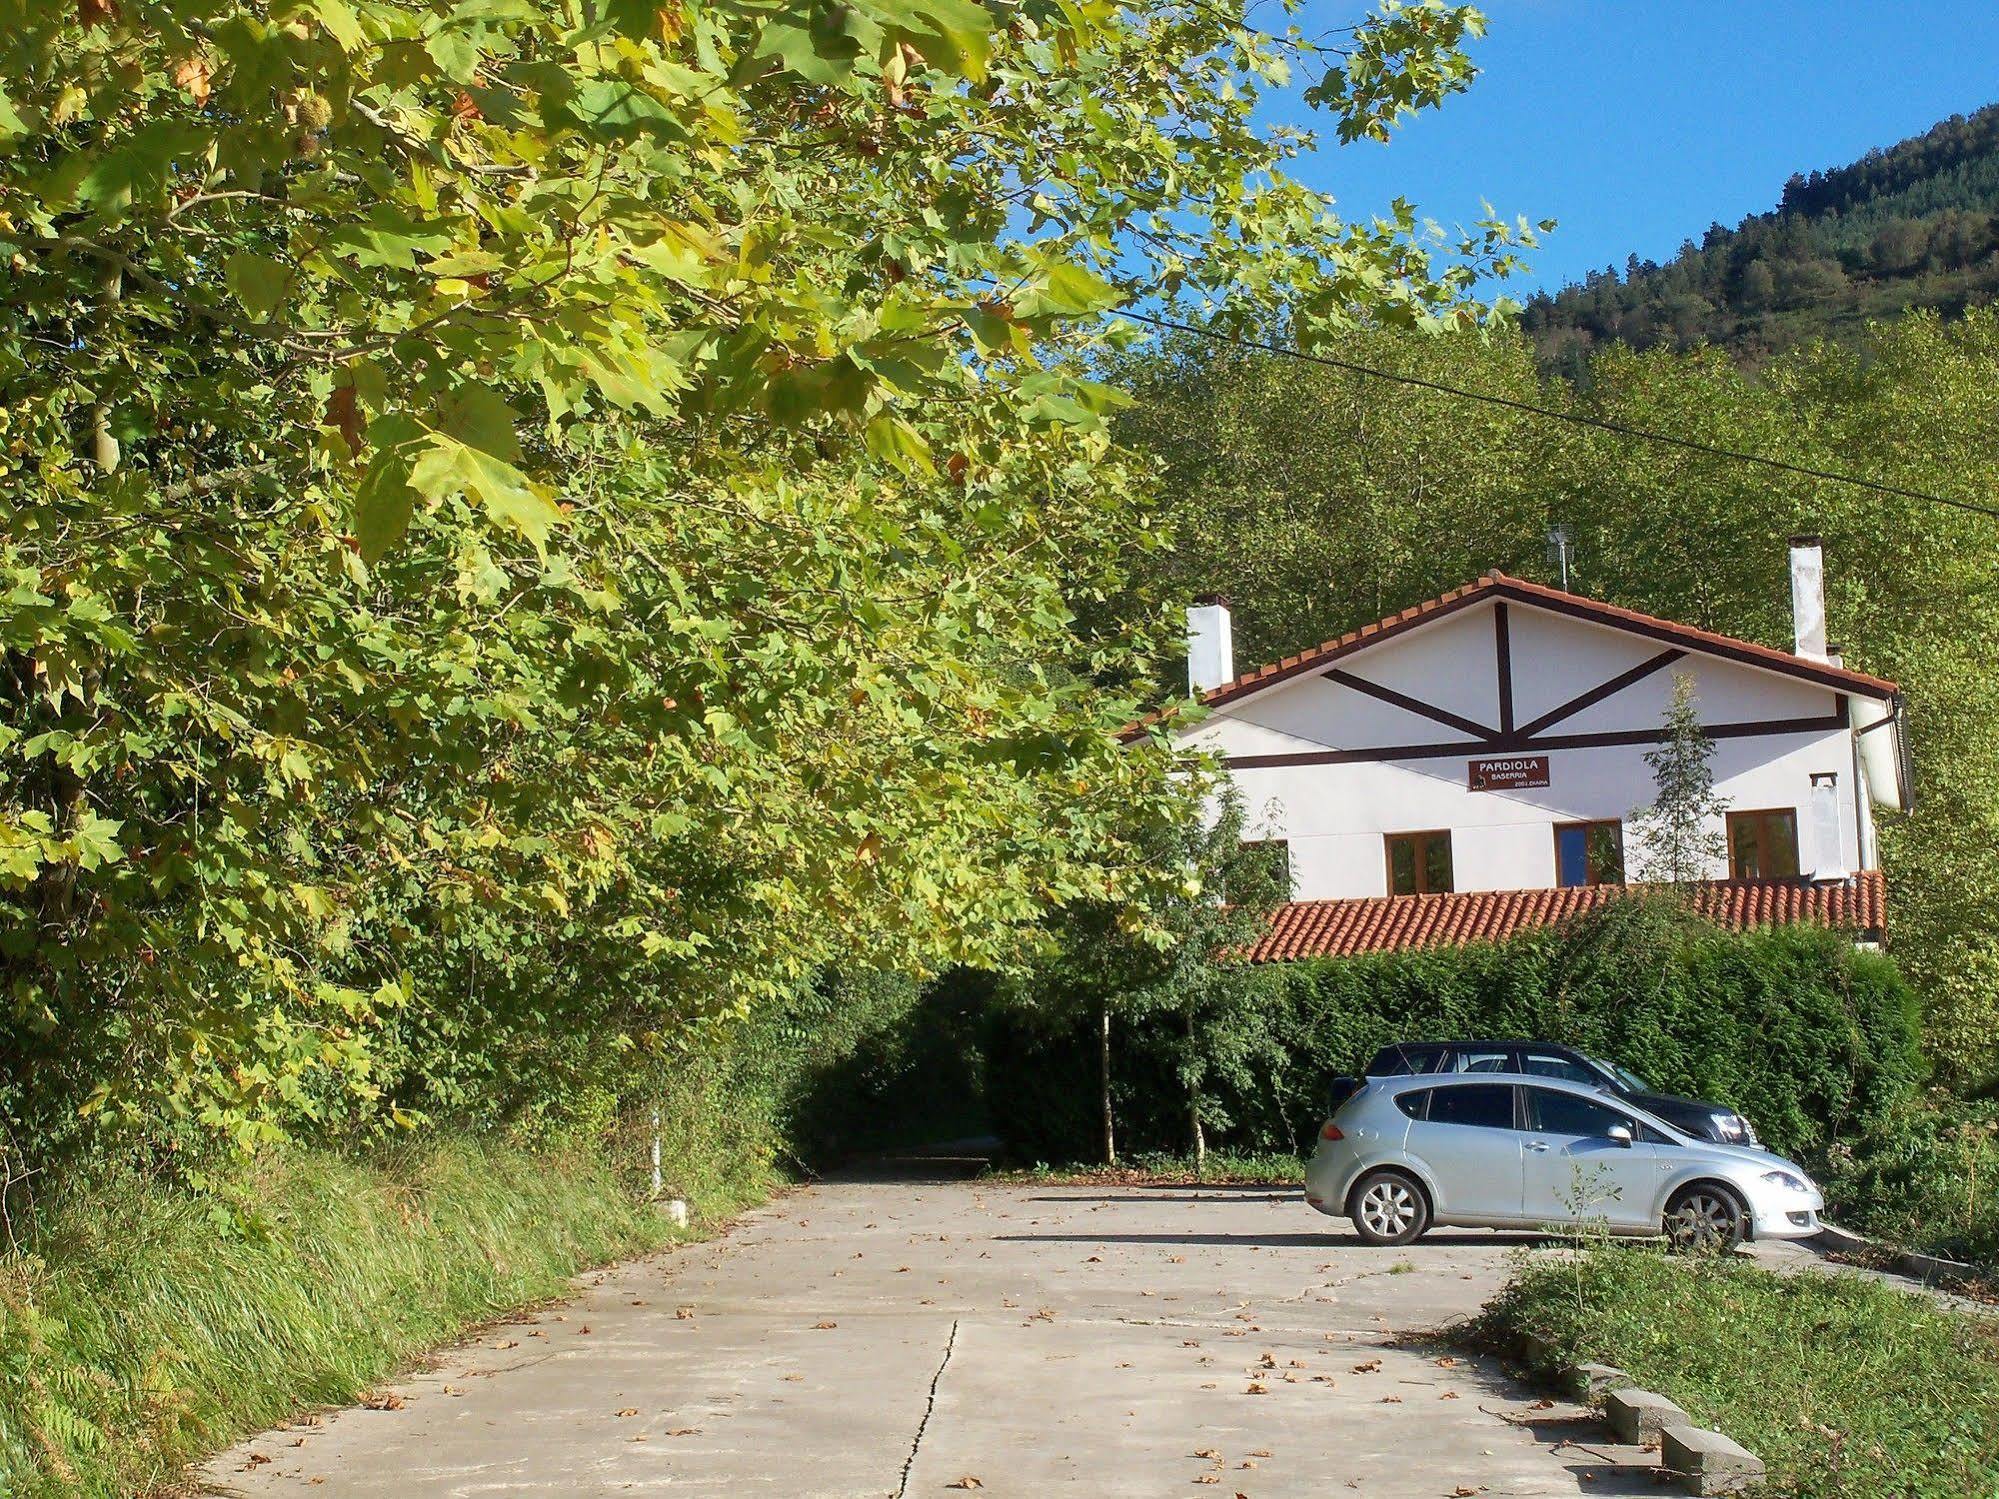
column 1197, row 1137
column 1104, row 1082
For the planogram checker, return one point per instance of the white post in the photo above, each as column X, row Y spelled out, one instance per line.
column 656, row 1182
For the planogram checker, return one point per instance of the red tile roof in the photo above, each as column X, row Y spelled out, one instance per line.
column 1498, row 585
column 1394, row 923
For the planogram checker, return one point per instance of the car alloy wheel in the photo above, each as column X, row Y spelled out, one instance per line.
column 1704, row 1219
column 1389, row 1209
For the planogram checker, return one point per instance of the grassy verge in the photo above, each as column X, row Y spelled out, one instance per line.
column 1169, row 1170
column 142, row 1331
column 1848, row 1389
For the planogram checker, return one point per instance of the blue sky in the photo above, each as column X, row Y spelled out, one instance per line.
column 1636, row 123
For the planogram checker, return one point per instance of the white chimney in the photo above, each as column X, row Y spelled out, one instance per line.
column 1210, row 645
column 1808, row 597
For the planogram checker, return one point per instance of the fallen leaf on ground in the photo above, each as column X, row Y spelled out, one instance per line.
column 967, row 1482
column 824, row 1326
column 384, row 1400
column 1391, row 1399
column 1207, row 1478
column 257, row 1460
column 630, row 1410
column 1209, row 1453
column 1257, row 1387
column 1372, row 1366
column 684, row 1313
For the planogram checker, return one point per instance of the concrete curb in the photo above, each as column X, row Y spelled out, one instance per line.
column 1832, row 1236
column 1952, row 1275
column 1931, row 1271
column 1702, row 1462
column 1707, row 1462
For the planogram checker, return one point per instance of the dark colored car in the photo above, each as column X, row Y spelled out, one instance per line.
column 1546, row 1059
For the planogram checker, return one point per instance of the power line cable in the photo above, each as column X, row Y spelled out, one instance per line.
column 1604, row 424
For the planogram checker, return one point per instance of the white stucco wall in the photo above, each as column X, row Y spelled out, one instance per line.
column 1335, row 816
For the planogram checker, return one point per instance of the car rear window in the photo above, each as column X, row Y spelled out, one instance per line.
column 1488, row 1105
column 1401, row 1061
column 1414, row 1104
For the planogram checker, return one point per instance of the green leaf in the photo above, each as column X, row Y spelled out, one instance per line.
column 1069, row 291
column 477, row 417
column 383, row 502
column 260, row 283
column 448, row 466
column 341, row 23
column 389, row 239
column 614, row 107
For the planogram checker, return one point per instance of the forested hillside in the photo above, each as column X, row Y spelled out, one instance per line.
column 1913, row 226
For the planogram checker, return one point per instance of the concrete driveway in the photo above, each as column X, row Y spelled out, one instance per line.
column 929, row 1336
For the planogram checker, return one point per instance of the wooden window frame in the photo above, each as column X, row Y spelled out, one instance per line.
column 1422, row 836
column 1736, row 819
column 1589, row 875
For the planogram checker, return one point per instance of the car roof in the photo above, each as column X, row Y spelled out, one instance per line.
column 1409, row 1081
column 1506, row 1041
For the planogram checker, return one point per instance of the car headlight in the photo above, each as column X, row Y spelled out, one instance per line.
column 1787, row 1181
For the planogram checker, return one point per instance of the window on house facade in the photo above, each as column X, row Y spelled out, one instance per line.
column 1419, row 863
column 1589, row 853
column 1763, row 845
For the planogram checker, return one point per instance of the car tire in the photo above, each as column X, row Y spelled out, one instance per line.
column 1705, row 1219
column 1389, row 1207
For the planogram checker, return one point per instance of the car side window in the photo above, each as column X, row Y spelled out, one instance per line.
column 1487, row 1105
column 1481, row 1060
column 1547, row 1064
column 1414, row 1104
column 1566, row 1114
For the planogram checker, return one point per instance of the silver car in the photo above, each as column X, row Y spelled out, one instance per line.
column 1513, row 1151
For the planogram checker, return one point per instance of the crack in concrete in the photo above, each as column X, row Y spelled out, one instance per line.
column 929, row 1405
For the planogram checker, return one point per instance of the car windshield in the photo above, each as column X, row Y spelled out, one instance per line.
column 1626, row 1078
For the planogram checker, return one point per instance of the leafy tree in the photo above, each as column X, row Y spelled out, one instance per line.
column 529, row 530
column 1106, row 964
column 1676, row 836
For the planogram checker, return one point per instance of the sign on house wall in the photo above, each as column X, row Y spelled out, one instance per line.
column 1514, row 773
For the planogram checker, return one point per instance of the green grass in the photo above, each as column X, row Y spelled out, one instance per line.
column 1847, row 1388
column 1221, row 1169
column 143, row 1331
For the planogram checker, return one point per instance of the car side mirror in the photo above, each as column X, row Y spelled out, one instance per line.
column 1621, row 1133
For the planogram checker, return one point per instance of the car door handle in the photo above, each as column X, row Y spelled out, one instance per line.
column 1541, row 1145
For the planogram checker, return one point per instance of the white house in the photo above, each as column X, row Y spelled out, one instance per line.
column 1468, row 766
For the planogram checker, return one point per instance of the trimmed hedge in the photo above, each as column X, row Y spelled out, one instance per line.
column 1814, row 1039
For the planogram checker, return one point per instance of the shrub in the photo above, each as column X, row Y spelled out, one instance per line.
column 1813, row 1038
column 1846, row 1388
column 1925, row 1177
